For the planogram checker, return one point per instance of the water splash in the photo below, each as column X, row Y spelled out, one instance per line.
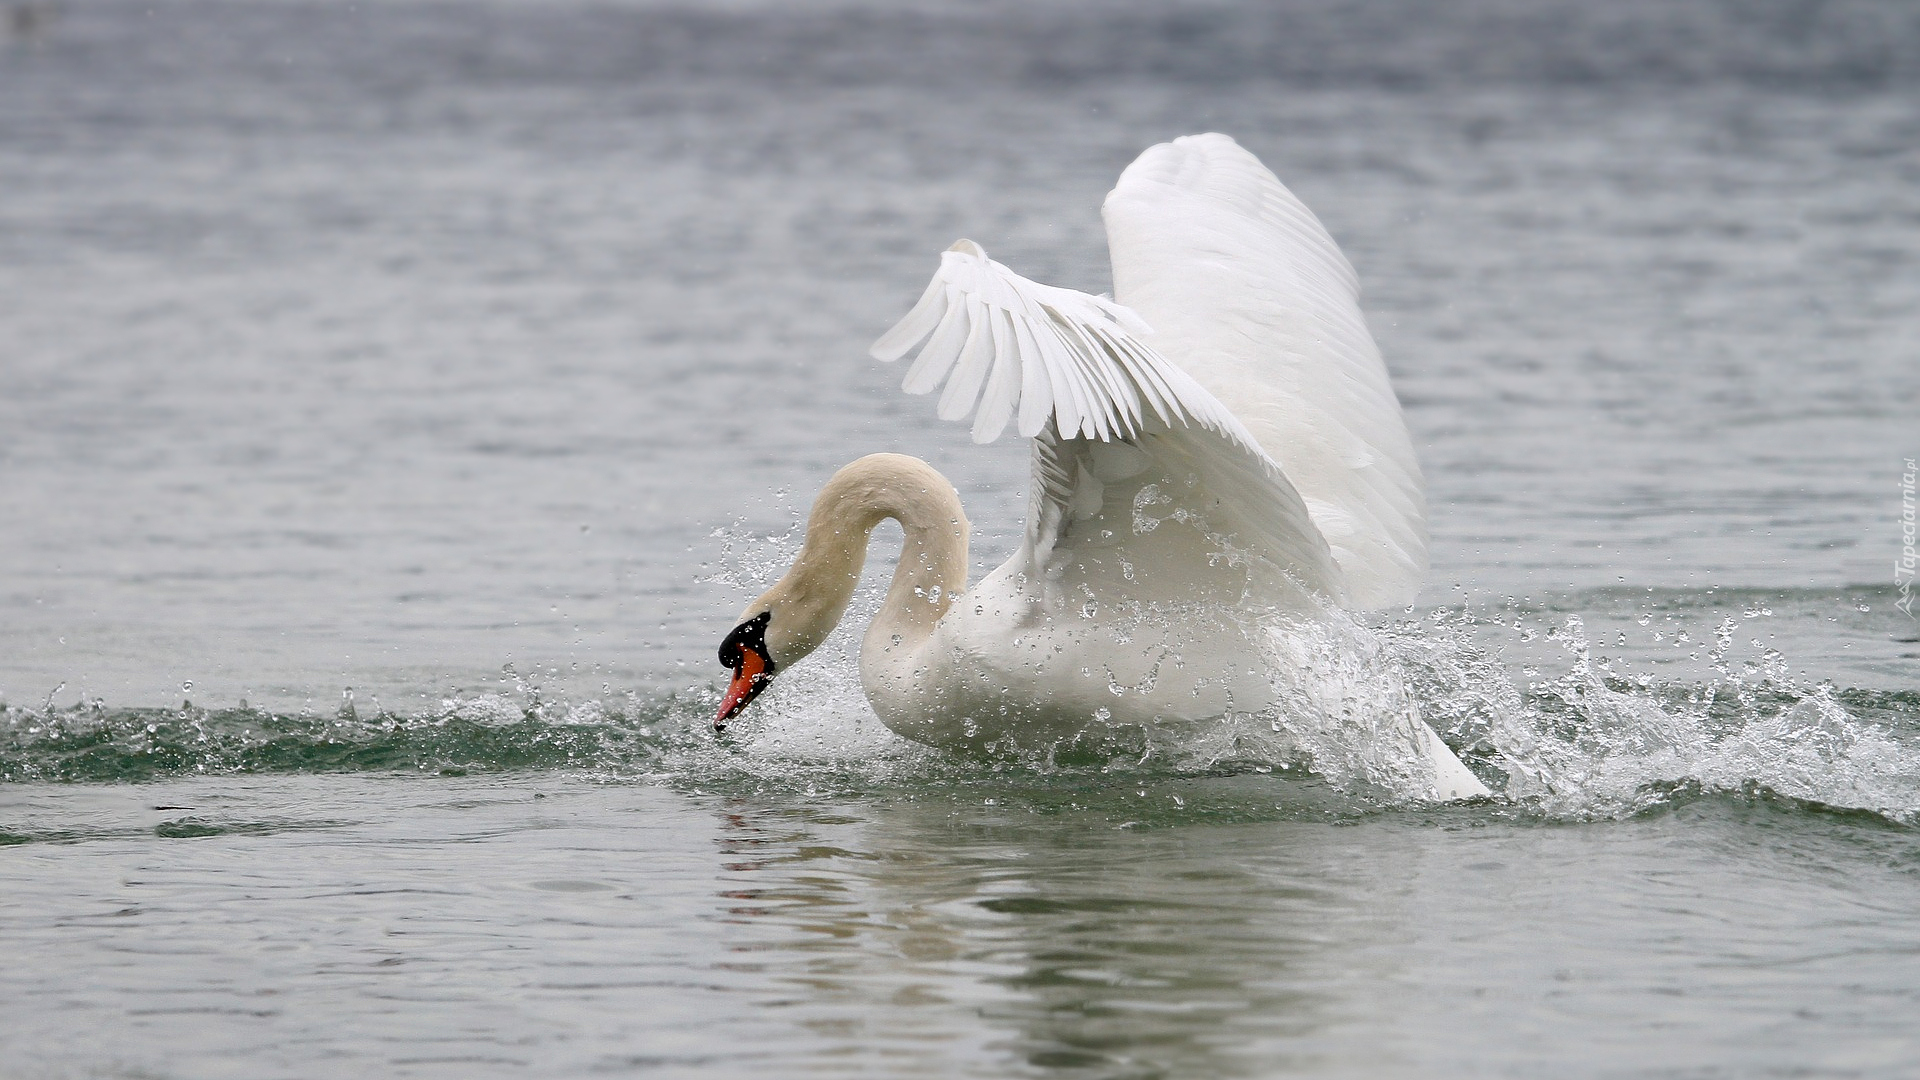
column 1582, row 738
column 1593, row 741
column 1345, row 702
column 1601, row 741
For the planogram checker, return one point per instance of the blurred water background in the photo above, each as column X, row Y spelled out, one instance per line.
column 397, row 398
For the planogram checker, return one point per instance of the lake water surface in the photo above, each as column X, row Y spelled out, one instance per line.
column 399, row 399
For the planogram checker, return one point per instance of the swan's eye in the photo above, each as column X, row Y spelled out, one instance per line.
column 751, row 634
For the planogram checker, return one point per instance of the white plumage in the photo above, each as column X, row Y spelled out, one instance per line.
column 1217, row 455
column 1249, row 295
column 1051, row 354
column 1228, row 290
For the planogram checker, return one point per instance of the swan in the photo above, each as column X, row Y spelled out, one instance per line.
column 1215, row 446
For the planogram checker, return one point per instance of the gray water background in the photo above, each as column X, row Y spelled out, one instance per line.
column 449, row 352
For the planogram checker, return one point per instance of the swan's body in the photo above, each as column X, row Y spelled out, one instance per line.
column 1221, row 451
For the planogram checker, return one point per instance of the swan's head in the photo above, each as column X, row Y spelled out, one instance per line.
column 775, row 631
column 745, row 651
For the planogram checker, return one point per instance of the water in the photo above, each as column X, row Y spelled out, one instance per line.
column 399, row 399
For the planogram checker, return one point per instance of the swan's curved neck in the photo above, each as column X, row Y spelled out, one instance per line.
column 810, row 599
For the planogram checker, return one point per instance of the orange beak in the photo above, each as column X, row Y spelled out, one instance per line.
column 749, row 679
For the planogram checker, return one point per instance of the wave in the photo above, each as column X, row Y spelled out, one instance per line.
column 1601, row 741
column 1592, row 742
column 1592, row 739
column 94, row 743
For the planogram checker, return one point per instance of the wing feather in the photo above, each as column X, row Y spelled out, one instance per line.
column 1108, row 388
column 937, row 358
column 1064, row 356
column 1033, row 387
column 1070, row 404
column 1074, row 371
column 1249, row 295
column 976, row 359
column 920, row 322
column 1153, row 387
column 998, row 399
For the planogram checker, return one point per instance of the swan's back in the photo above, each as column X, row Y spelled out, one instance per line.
column 1245, row 290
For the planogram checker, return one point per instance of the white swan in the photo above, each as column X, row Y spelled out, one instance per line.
column 1217, row 445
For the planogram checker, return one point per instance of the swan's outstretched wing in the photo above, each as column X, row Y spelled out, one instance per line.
column 1110, row 418
column 1247, row 293
column 1002, row 343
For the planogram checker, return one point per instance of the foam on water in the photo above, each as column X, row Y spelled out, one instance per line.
column 1593, row 739
column 1602, row 741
